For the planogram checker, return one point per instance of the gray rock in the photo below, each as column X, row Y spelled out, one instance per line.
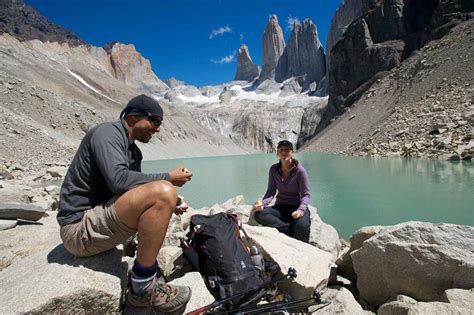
column 7, row 224
column 173, row 82
column 404, row 299
column 313, row 264
column 417, row 259
column 345, row 267
column 459, row 297
column 57, row 171
column 63, row 283
column 22, row 211
column 323, row 235
column 200, row 295
column 52, row 190
column 172, row 262
column 226, row 95
column 436, row 308
column 246, row 69
column 342, row 302
column 290, row 87
column 187, row 90
column 267, row 87
column 15, row 193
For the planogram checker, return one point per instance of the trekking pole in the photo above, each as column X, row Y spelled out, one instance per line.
column 290, row 274
column 282, row 305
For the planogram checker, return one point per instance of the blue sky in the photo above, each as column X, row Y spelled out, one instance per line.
column 193, row 40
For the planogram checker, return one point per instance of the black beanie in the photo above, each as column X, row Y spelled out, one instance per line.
column 142, row 105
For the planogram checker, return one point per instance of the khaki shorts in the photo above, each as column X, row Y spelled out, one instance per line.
column 99, row 230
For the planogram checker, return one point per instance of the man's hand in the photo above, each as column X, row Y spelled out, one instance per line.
column 180, row 176
column 297, row 214
column 181, row 206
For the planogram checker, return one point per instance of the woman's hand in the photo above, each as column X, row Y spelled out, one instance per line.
column 297, row 214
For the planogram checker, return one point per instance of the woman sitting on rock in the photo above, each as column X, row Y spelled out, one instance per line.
column 290, row 214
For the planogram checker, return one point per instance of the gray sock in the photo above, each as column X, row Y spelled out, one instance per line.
column 139, row 284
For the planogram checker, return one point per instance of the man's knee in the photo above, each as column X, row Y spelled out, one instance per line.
column 162, row 191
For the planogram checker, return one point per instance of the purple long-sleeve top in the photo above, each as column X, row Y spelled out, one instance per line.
column 293, row 190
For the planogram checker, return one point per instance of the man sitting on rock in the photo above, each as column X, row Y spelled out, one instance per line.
column 105, row 199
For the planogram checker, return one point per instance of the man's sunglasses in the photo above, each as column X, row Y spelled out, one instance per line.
column 155, row 120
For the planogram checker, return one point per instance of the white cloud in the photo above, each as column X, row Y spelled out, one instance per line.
column 290, row 21
column 220, row 31
column 226, row 59
column 241, row 37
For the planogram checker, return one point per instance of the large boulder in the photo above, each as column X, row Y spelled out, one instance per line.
column 312, row 265
column 54, row 281
column 7, row 224
column 200, row 294
column 356, row 240
column 324, row 236
column 418, row 259
column 28, row 238
column 22, row 211
column 459, row 297
column 342, row 302
column 421, row 308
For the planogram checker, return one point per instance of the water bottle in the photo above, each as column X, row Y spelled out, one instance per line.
column 257, row 260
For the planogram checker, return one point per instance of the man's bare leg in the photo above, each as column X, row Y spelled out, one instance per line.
column 148, row 209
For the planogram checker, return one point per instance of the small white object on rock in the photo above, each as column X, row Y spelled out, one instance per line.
column 7, row 224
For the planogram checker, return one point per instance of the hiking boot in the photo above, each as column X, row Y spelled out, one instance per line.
column 162, row 297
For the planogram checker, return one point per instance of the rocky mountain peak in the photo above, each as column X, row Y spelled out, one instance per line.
column 246, row 69
column 25, row 23
column 131, row 67
column 273, row 45
column 173, row 82
column 303, row 56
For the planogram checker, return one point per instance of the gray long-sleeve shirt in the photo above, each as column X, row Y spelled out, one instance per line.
column 106, row 164
column 293, row 190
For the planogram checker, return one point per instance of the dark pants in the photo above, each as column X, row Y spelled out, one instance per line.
column 279, row 217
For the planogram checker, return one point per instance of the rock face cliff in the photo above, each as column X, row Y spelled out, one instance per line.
column 246, row 69
column 303, row 56
column 25, row 23
column 423, row 108
column 387, row 33
column 259, row 124
column 347, row 12
column 133, row 69
column 273, row 45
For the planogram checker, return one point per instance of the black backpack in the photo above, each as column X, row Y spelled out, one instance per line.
column 215, row 249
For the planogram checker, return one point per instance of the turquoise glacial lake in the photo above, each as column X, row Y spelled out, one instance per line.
column 349, row 192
